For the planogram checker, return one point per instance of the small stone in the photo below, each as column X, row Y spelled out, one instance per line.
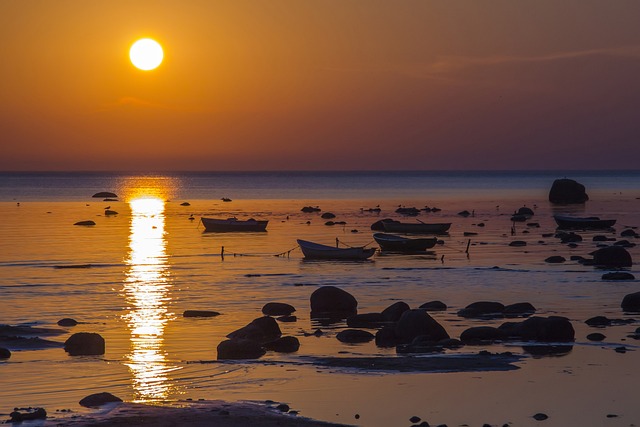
column 596, row 337
column 415, row 419
column 621, row 349
column 283, row 407
column 540, row 416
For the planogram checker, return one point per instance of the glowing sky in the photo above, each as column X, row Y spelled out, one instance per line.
column 268, row 85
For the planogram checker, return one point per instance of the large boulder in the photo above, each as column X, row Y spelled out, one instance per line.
column 98, row 399
column 330, row 301
column 612, row 256
column 417, row 322
column 631, row 302
column 239, row 349
column 261, row 330
column 567, row 191
column 395, row 310
column 84, row 343
column 482, row 334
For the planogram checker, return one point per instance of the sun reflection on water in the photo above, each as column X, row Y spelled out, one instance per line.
column 146, row 288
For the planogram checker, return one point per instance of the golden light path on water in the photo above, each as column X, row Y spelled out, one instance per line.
column 146, row 289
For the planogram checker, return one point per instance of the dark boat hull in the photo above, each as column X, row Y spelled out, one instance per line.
column 589, row 223
column 415, row 228
column 312, row 250
column 392, row 243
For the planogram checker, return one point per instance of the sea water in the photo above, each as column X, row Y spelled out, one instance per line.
column 152, row 261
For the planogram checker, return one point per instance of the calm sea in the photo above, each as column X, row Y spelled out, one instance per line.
column 64, row 186
column 151, row 261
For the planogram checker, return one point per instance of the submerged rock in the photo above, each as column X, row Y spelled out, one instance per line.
column 555, row 259
column 284, row 345
column 277, row 309
column 482, row 309
column 434, row 306
column 200, row 313
column 618, row 275
column 544, row 329
column 418, row 322
column 332, row 301
column 25, row 414
column 67, row 322
column 84, row 344
column 98, row 399
column 482, row 334
column 239, row 349
column 631, row 302
column 261, row 330
column 85, row 223
column 354, row 336
column 612, row 256
column 104, row 194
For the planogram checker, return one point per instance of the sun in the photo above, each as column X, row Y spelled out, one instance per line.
column 146, row 54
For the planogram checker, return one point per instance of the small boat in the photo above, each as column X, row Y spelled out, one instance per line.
column 393, row 243
column 233, row 224
column 313, row 250
column 392, row 226
column 583, row 223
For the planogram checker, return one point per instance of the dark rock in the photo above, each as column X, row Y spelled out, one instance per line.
column 599, row 238
column 567, row 191
column 84, row 343
column 518, row 243
column 612, row 256
column 621, row 349
column 555, row 259
column 525, row 211
column 413, row 211
column 625, row 244
column 109, row 212
column 277, row 309
column 386, row 337
column 631, row 302
column 596, row 336
column 394, row 311
column 629, row 233
column 598, row 321
column 547, row 350
column 29, row 331
column 200, row 313
column 329, row 223
column 570, row 237
column 327, row 215
column 310, row 209
column 540, row 416
column 88, row 222
column 366, row 320
column 354, row 336
column 185, row 204
column 482, row 309
column 434, row 306
column 261, row 330
column 618, row 275
column 413, row 323
column 67, row 322
column 284, row 345
column 543, row 329
column 25, row 414
column 4, row 353
column 104, row 194
column 482, row 334
column 239, row 349
column 519, row 309
column 287, row 319
column 98, row 399
column 333, row 301
column 415, row 419
column 283, row 407
column 464, row 213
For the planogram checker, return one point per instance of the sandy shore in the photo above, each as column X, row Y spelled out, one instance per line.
column 191, row 413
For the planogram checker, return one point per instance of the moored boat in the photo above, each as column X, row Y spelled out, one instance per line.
column 393, row 243
column 312, row 250
column 583, row 223
column 393, row 226
column 233, row 224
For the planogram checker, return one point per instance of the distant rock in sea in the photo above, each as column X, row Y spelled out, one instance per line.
column 104, row 194
column 567, row 191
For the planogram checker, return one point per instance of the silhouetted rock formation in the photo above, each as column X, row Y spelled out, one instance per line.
column 98, row 399
column 84, row 343
column 567, row 191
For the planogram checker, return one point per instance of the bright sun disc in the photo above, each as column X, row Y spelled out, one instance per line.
column 146, row 54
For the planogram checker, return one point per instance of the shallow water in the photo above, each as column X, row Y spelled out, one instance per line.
column 151, row 262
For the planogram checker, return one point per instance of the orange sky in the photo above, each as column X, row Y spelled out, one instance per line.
column 329, row 85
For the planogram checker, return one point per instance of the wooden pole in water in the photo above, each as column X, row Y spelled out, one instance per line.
column 222, row 252
column 467, row 250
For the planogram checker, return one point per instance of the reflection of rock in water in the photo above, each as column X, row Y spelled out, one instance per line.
column 547, row 350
